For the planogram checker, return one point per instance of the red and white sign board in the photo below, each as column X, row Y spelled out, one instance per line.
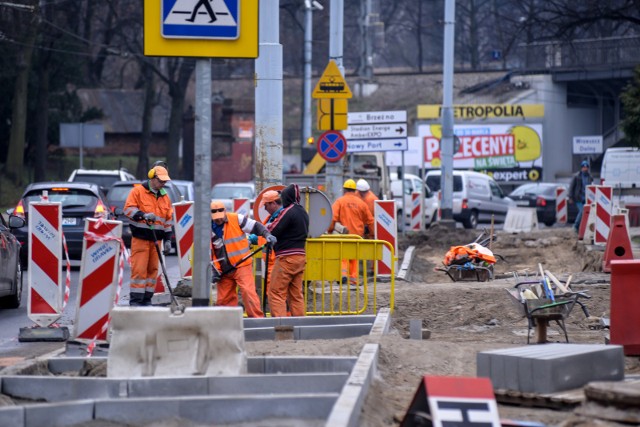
column 241, row 206
column 561, row 205
column 46, row 287
column 183, row 221
column 416, row 211
column 590, row 194
column 98, row 278
column 386, row 228
column 454, row 401
column 604, row 210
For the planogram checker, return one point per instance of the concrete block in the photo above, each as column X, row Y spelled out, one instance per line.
column 178, row 386
column 326, row 320
column 47, row 334
column 277, row 384
column 415, row 329
column 305, row 364
column 138, row 410
column 381, row 324
column 58, row 365
column 58, row 414
column 12, row 416
column 60, row 389
column 321, row 332
column 551, row 368
column 260, row 334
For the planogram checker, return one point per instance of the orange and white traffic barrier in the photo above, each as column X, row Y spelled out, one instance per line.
column 241, row 206
column 416, row 211
column 604, row 210
column 46, row 288
column 561, row 205
column 183, row 219
column 386, row 228
column 590, row 194
column 99, row 278
column 618, row 245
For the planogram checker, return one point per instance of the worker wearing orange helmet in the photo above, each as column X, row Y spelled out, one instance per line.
column 149, row 208
column 229, row 246
column 352, row 212
column 365, row 193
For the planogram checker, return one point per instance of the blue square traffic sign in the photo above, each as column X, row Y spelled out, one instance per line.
column 201, row 19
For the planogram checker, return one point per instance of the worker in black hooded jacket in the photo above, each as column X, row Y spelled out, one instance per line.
column 291, row 228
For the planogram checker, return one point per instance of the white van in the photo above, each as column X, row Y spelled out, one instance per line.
column 621, row 170
column 476, row 197
column 413, row 184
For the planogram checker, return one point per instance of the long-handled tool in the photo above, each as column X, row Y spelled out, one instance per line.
column 246, row 257
column 177, row 306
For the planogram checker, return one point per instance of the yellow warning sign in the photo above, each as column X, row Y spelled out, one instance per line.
column 332, row 84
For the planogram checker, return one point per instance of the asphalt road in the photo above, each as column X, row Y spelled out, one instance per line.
column 12, row 320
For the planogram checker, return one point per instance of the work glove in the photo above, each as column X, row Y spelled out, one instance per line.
column 271, row 239
column 253, row 239
column 149, row 217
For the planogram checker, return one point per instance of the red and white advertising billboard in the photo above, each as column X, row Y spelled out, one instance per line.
column 507, row 152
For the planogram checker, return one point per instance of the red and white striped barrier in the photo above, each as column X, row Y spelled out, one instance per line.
column 45, row 263
column 590, row 194
column 386, row 228
column 183, row 220
column 604, row 210
column 98, row 278
column 241, row 206
column 561, row 205
column 416, row 211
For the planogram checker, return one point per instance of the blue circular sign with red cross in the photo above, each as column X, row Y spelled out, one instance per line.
column 332, row 146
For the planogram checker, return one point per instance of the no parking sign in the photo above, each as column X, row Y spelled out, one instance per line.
column 332, row 146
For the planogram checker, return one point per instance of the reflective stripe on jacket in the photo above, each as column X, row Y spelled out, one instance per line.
column 235, row 240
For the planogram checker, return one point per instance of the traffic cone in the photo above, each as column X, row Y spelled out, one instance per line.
column 618, row 245
column 583, row 221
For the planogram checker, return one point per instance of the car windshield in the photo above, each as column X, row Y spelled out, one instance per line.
column 231, row 192
column 433, row 182
column 533, row 189
column 68, row 197
column 118, row 194
column 102, row 180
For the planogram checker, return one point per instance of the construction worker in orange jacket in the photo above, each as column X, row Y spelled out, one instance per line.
column 229, row 246
column 353, row 213
column 149, row 208
column 365, row 193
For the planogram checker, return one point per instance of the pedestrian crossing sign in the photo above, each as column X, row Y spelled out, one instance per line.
column 203, row 19
column 201, row 28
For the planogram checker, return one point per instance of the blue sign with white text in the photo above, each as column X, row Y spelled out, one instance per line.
column 201, row 19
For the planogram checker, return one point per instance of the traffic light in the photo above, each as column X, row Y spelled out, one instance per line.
column 310, row 140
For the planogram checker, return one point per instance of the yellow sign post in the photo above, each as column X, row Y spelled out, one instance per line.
column 332, row 84
column 332, row 114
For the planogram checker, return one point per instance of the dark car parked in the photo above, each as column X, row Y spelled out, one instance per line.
column 117, row 197
column 10, row 268
column 542, row 196
column 79, row 200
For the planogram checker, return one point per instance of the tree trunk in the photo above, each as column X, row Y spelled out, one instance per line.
column 15, row 157
column 147, row 120
column 42, row 124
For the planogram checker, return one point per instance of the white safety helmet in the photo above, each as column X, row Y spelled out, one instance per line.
column 362, row 185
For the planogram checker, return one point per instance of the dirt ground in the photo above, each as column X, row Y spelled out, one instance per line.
column 465, row 318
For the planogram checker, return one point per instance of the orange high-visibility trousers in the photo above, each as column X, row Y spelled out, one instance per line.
column 228, row 296
column 144, row 269
column 286, row 284
column 350, row 268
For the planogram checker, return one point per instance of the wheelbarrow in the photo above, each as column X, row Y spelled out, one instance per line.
column 469, row 271
column 471, row 262
column 543, row 310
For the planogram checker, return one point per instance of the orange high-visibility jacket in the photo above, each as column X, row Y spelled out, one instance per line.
column 369, row 198
column 469, row 251
column 142, row 200
column 235, row 241
column 350, row 211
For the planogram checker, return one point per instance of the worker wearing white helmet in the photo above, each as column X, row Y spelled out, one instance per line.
column 365, row 193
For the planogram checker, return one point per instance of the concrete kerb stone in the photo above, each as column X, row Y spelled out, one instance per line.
column 278, row 383
column 346, row 411
column 320, row 332
column 58, row 414
column 381, row 325
column 404, row 271
column 12, row 416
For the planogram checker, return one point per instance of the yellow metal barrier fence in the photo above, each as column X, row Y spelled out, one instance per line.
column 325, row 292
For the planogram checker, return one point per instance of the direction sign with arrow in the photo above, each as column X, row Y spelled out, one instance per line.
column 373, row 131
column 363, row 145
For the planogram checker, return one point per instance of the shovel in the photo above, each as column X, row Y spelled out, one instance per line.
column 176, row 307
